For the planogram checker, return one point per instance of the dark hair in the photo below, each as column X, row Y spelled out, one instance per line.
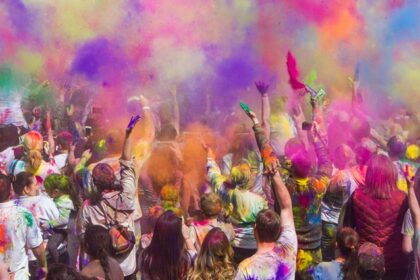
column 103, row 177
column 381, row 177
column 22, row 180
column 396, row 147
column 64, row 139
column 302, row 164
column 214, row 260
column 166, row 258
column 5, row 187
column 97, row 243
column 60, row 271
column 268, row 226
column 347, row 243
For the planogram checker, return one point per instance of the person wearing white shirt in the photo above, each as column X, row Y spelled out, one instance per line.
column 42, row 208
column 18, row 231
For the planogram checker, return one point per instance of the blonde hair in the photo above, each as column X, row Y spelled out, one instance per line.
column 32, row 142
column 211, row 204
column 215, row 258
column 241, row 175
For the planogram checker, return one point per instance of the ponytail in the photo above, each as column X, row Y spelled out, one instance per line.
column 97, row 243
column 348, row 242
column 34, row 159
column 103, row 260
column 33, row 144
column 350, row 266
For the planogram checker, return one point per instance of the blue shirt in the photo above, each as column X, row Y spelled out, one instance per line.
column 329, row 271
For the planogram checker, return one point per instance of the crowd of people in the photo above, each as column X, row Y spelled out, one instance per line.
column 335, row 197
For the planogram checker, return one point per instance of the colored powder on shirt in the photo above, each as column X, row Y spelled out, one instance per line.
column 4, row 242
column 29, row 219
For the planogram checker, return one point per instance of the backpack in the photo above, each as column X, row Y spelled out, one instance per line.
column 122, row 239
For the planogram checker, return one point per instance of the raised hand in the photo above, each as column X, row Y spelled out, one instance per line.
column 133, row 121
column 70, row 110
column 262, row 87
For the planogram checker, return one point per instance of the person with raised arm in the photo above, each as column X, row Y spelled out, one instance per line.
column 114, row 204
column 306, row 191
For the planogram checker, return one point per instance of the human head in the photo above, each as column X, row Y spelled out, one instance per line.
column 56, row 184
column 343, row 157
column 5, row 187
column 396, row 147
column 371, row 262
column 302, row 164
column 25, row 184
column 293, row 146
column 363, row 154
column 214, row 258
column 211, row 204
column 33, row 145
column 97, row 243
column 240, row 175
column 267, row 226
column 165, row 257
column 381, row 177
column 64, row 140
column 103, row 177
column 347, row 242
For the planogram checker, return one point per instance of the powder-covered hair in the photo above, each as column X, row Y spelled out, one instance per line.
column 215, row 258
column 381, row 177
column 65, row 185
column 240, row 175
column 33, row 144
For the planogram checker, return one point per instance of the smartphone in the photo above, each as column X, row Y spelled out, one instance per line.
column 88, row 131
column 306, row 126
column 245, row 107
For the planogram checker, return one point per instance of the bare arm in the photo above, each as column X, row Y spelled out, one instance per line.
column 265, row 106
column 126, row 153
column 175, row 109
column 39, row 253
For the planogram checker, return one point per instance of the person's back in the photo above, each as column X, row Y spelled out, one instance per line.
column 307, row 194
column 211, row 205
column 97, row 243
column 377, row 212
column 278, row 262
column 379, row 221
column 114, row 204
column 95, row 269
column 18, row 229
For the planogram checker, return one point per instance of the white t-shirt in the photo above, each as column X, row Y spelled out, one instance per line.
column 279, row 263
column 61, row 160
column 18, row 230
column 42, row 208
